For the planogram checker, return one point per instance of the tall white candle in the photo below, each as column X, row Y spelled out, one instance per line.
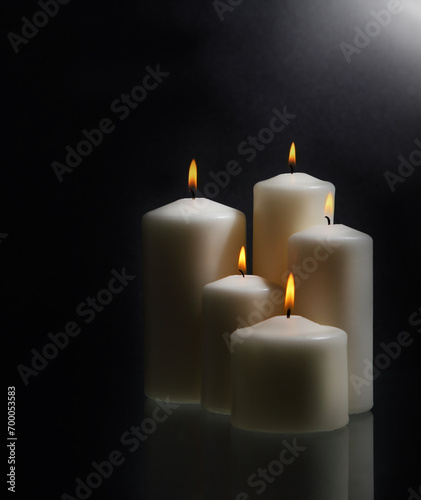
column 333, row 265
column 290, row 375
column 284, row 205
column 186, row 245
column 228, row 304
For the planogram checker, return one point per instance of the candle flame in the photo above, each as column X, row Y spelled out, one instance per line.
column 193, row 175
column 242, row 267
column 329, row 206
column 290, row 293
column 292, row 156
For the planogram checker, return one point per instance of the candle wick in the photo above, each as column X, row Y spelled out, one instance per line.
column 242, row 273
column 292, row 168
column 328, row 220
column 193, row 196
column 288, row 312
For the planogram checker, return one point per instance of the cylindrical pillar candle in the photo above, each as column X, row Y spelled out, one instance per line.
column 284, row 205
column 186, row 245
column 333, row 265
column 230, row 303
column 290, row 375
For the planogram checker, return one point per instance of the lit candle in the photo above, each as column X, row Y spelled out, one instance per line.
column 290, row 375
column 284, row 205
column 186, row 245
column 228, row 304
column 334, row 264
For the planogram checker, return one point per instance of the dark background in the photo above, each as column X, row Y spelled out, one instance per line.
column 60, row 241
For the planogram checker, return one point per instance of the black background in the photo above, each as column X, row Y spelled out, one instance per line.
column 353, row 120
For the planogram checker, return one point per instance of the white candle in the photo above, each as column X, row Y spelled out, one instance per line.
column 290, row 375
column 186, row 245
column 333, row 265
column 228, row 304
column 284, row 205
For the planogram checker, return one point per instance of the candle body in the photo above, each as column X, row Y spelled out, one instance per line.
column 186, row 245
column 228, row 304
column 290, row 375
column 333, row 266
column 282, row 206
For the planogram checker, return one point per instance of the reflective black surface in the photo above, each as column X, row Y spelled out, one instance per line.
column 355, row 124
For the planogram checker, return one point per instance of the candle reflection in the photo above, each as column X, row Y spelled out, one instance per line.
column 196, row 454
column 290, row 466
column 361, row 458
column 173, row 454
column 216, row 432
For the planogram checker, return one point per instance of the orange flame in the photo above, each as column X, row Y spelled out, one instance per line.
column 193, row 175
column 292, row 156
column 242, row 267
column 329, row 206
column 290, row 293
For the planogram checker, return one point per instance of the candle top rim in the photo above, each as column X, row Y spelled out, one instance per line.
column 297, row 179
column 186, row 208
column 330, row 230
column 236, row 282
column 295, row 328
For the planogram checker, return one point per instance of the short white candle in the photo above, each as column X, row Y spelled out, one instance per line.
column 290, row 375
column 186, row 245
column 230, row 303
column 333, row 265
column 284, row 205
